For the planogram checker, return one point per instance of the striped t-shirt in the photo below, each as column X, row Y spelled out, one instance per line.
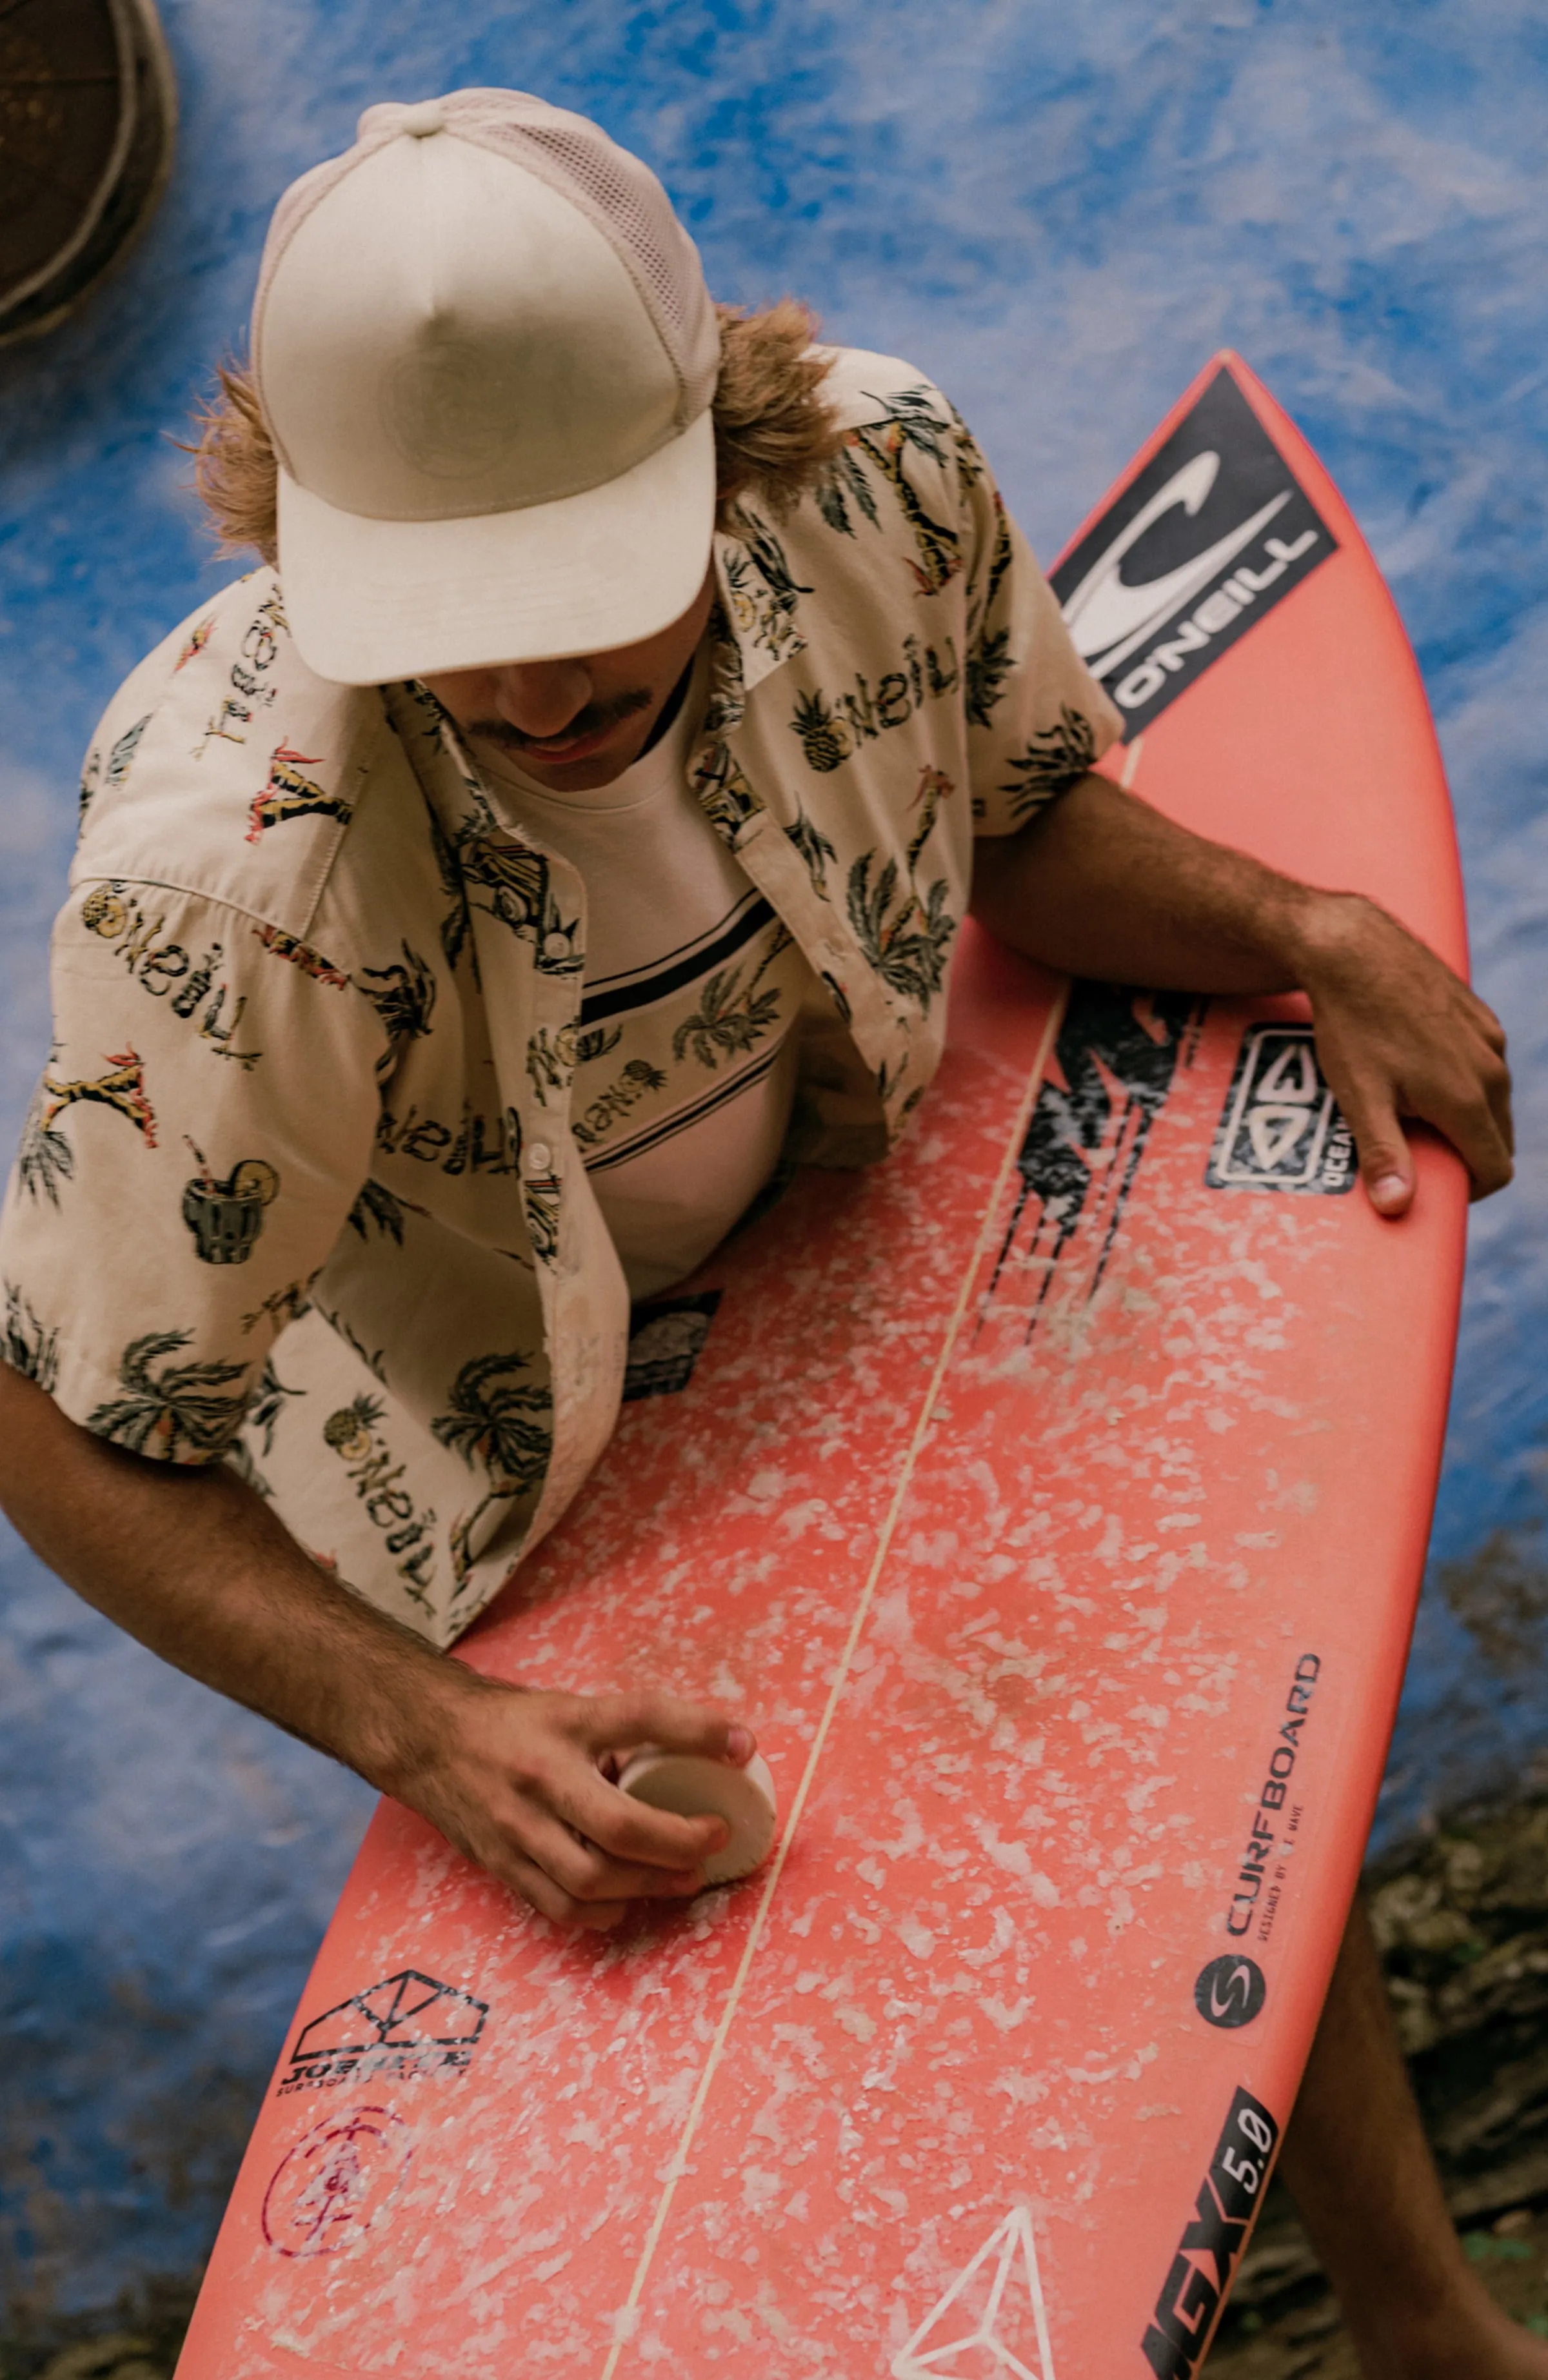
column 685, row 1057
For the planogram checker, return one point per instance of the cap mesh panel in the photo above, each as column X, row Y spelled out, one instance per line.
column 615, row 192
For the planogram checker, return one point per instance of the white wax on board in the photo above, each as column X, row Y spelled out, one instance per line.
column 691, row 1786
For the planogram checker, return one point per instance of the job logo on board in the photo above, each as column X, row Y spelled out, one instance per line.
column 1210, row 536
column 1281, row 1129
column 407, row 2025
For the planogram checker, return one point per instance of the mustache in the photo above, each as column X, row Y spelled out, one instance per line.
column 592, row 720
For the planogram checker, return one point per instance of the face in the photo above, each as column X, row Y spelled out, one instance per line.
column 575, row 723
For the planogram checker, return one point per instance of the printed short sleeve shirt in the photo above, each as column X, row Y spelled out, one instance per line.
column 300, row 1188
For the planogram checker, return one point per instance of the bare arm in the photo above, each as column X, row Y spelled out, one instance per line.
column 196, row 1566
column 1102, row 885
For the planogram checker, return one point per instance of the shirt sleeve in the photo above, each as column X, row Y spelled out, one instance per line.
column 197, row 1139
column 1037, row 718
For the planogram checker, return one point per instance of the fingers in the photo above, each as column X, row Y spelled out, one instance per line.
column 630, row 1831
column 522, row 1791
column 1496, row 1087
column 1471, row 1104
column 1399, row 1036
column 1386, row 1162
column 1490, row 1026
column 624, row 1721
column 551, row 1900
column 589, row 1874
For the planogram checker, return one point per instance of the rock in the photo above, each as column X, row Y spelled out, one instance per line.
column 1461, row 1920
column 116, row 2357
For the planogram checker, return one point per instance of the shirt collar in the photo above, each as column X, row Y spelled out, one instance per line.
column 754, row 628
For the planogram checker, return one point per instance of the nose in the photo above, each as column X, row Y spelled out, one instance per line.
column 540, row 698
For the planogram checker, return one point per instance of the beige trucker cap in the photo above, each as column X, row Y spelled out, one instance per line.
column 485, row 353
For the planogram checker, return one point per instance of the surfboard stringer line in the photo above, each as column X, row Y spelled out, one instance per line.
column 627, row 2320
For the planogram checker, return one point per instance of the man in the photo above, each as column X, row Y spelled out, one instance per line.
column 461, row 938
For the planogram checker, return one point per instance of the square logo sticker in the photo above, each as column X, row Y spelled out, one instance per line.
column 1281, row 1129
column 1194, row 552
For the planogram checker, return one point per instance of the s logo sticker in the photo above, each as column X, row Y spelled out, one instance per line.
column 1230, row 1991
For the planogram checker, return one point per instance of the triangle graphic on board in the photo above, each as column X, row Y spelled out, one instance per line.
column 991, row 2322
column 1274, row 1132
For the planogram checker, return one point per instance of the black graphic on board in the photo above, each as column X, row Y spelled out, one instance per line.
column 408, row 2023
column 665, row 1340
column 1251, row 1904
column 1193, row 2290
column 1280, row 1129
column 1113, row 1063
column 1230, row 1992
column 1211, row 535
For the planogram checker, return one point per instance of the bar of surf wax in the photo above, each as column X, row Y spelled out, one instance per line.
column 692, row 1786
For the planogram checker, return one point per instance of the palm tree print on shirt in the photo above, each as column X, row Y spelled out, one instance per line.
column 264, row 1411
column 728, row 1020
column 489, row 1421
column 988, row 666
column 814, row 848
column 770, row 619
column 1055, row 757
column 912, row 417
column 377, row 1204
column 45, row 1158
column 184, row 1413
column 844, row 483
column 270, row 1402
column 406, row 1001
column 908, row 949
column 28, row 1347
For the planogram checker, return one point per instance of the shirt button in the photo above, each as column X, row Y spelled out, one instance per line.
column 539, row 1157
column 556, row 946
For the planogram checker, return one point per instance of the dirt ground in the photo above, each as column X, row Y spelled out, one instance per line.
column 1463, row 1926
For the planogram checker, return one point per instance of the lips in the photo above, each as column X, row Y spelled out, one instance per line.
column 579, row 748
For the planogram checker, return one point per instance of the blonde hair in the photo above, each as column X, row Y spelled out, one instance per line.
column 773, row 431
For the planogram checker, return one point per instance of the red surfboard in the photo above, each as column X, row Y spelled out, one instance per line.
column 1055, row 1498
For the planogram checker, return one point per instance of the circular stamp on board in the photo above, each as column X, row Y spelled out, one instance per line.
column 336, row 2182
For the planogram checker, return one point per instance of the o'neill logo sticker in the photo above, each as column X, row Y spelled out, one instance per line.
column 992, row 2320
column 1209, row 537
column 408, row 2024
column 1281, row 1129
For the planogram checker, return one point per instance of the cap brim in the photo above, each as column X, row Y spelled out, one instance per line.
column 369, row 602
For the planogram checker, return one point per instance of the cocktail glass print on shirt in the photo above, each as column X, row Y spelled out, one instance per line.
column 1203, row 541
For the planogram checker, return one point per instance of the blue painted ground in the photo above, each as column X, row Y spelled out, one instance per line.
column 1059, row 213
